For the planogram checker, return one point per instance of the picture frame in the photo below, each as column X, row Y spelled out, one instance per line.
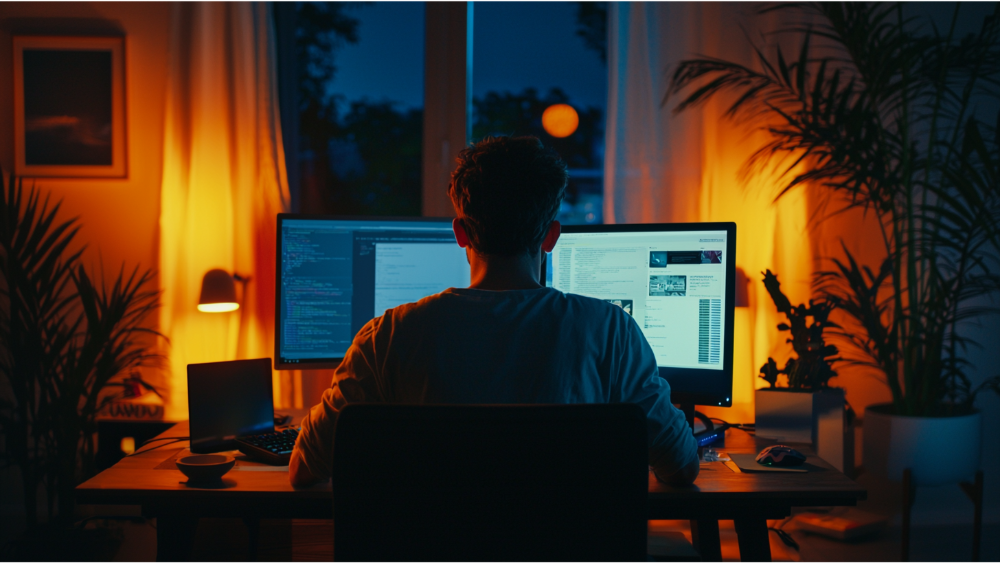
column 69, row 107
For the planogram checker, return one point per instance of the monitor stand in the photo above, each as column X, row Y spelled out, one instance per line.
column 710, row 433
column 690, row 415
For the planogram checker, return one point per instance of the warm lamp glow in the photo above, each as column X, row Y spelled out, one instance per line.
column 218, row 292
column 217, row 307
column 128, row 445
column 560, row 120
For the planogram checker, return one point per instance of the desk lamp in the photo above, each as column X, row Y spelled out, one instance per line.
column 218, row 291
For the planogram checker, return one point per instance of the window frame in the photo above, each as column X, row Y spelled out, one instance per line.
column 447, row 98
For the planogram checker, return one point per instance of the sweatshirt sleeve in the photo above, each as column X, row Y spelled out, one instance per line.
column 354, row 381
column 670, row 440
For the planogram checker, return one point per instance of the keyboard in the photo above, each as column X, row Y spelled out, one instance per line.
column 274, row 448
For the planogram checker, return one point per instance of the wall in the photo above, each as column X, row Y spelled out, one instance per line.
column 119, row 216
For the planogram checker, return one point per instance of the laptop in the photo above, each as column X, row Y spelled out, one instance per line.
column 231, row 405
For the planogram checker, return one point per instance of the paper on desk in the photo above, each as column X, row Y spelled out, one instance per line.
column 243, row 466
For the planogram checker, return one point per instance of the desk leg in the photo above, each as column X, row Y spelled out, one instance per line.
column 175, row 537
column 909, row 493
column 253, row 534
column 754, row 543
column 705, row 537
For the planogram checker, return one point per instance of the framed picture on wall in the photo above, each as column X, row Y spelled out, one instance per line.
column 69, row 107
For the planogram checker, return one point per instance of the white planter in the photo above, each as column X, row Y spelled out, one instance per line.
column 937, row 450
column 815, row 417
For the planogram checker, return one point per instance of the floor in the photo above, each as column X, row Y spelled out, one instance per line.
column 225, row 540
column 311, row 540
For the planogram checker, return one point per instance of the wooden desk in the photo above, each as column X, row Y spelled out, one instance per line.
column 719, row 494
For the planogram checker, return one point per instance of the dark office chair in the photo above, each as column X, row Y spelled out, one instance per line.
column 481, row 483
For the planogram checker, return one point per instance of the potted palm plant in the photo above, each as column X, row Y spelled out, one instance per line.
column 64, row 338
column 882, row 112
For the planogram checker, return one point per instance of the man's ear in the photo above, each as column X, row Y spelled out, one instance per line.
column 461, row 237
column 551, row 237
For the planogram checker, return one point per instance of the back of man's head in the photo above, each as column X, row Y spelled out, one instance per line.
column 506, row 192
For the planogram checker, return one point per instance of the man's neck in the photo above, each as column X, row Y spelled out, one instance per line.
column 503, row 273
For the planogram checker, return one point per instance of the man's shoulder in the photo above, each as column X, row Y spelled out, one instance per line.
column 584, row 301
column 406, row 312
column 581, row 309
column 615, row 308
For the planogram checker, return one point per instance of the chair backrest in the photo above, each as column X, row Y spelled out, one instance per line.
column 481, row 483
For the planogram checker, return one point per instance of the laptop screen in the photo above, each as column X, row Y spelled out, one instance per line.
column 227, row 400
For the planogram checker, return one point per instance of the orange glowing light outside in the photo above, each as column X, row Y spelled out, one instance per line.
column 218, row 307
column 560, row 120
column 128, row 445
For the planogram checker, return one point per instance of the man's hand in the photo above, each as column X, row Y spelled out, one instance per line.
column 298, row 474
column 683, row 477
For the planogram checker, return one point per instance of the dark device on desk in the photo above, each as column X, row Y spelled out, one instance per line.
column 231, row 405
column 334, row 274
column 678, row 281
column 780, row 456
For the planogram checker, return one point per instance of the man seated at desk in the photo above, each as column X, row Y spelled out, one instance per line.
column 505, row 339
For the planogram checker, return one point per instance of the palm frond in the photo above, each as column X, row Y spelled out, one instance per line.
column 879, row 109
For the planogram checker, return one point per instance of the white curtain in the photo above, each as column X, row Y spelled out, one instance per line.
column 223, row 183
column 661, row 167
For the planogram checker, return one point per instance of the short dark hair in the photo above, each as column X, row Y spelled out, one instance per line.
column 506, row 192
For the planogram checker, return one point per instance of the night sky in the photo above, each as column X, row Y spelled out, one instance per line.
column 516, row 45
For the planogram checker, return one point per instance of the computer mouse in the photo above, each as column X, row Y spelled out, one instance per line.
column 780, row 456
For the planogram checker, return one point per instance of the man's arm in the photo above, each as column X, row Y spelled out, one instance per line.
column 313, row 451
column 298, row 473
column 354, row 382
column 682, row 477
column 673, row 451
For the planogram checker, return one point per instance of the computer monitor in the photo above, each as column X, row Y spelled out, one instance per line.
column 335, row 274
column 677, row 280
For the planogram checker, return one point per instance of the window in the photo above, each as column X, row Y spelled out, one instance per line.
column 530, row 56
column 360, row 107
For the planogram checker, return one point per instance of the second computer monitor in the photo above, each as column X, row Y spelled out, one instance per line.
column 337, row 273
column 676, row 280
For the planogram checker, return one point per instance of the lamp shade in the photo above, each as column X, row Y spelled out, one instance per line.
column 218, row 292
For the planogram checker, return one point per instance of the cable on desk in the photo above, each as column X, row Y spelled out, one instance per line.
column 174, row 441
column 151, row 440
column 784, row 536
column 748, row 427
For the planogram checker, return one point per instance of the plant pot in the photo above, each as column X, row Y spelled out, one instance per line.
column 815, row 417
column 937, row 450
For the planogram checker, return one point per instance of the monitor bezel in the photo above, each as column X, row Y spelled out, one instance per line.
column 279, row 363
column 681, row 395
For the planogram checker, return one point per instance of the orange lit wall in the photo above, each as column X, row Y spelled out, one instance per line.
column 119, row 216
